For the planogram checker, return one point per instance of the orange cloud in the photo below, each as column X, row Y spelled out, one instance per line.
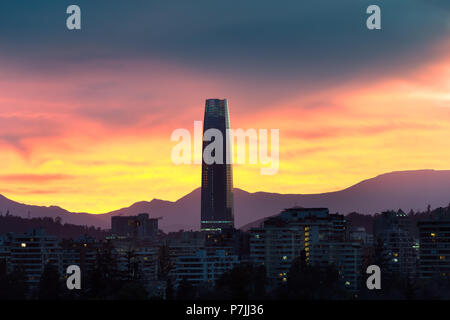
column 33, row 178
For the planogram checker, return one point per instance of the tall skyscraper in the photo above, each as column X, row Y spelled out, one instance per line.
column 217, row 178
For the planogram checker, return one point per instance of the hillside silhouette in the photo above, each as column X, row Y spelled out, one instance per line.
column 406, row 190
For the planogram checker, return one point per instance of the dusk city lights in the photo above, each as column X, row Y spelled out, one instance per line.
column 225, row 159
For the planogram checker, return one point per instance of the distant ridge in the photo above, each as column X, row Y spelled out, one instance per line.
column 404, row 190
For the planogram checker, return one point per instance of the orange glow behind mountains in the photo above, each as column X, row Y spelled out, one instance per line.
column 57, row 148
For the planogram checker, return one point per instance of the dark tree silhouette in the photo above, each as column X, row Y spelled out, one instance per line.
column 307, row 282
column 164, row 262
column 132, row 291
column 169, row 290
column 105, row 279
column 244, row 281
column 185, row 291
column 50, row 286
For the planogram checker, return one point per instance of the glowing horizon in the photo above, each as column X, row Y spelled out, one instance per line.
column 88, row 129
column 121, row 168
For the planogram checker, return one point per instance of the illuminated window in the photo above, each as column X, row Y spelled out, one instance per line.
column 433, row 234
column 441, row 257
column 23, row 245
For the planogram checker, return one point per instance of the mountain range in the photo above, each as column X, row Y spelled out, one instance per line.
column 406, row 190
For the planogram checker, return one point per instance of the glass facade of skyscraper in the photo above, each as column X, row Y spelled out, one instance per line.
column 217, row 178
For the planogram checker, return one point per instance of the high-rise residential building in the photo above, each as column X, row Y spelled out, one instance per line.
column 365, row 239
column 204, row 266
column 140, row 227
column 320, row 235
column 217, row 177
column 138, row 261
column 434, row 249
column 360, row 234
column 81, row 252
column 395, row 243
column 346, row 256
column 5, row 251
column 183, row 243
column 31, row 251
column 190, row 243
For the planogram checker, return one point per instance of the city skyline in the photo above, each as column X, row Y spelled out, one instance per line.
column 224, row 158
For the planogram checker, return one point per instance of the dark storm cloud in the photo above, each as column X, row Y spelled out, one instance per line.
column 321, row 40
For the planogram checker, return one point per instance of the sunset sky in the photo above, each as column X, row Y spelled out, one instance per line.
column 86, row 116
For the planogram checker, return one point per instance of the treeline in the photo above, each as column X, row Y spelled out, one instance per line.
column 245, row 281
column 367, row 221
column 104, row 282
column 307, row 282
column 56, row 227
